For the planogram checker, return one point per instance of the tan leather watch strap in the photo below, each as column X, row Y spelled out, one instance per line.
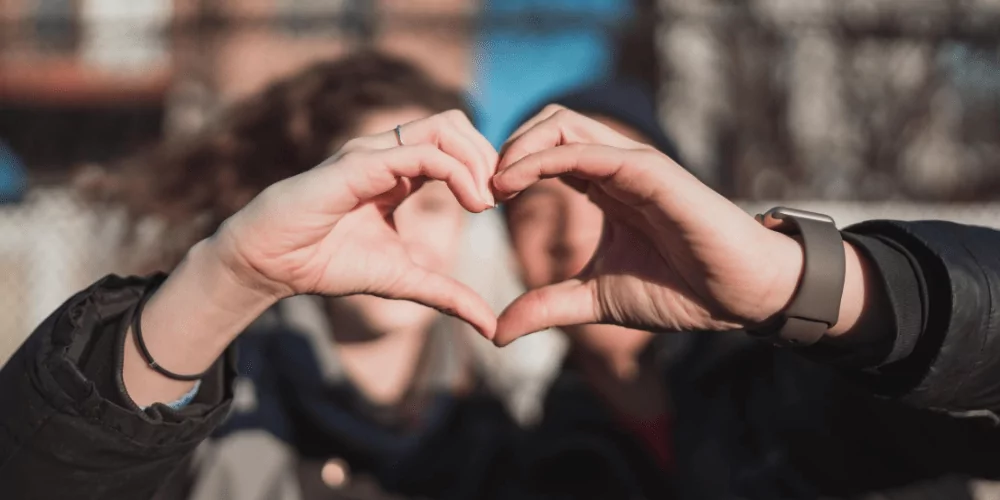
column 816, row 304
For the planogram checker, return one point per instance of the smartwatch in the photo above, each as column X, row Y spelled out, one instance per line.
column 815, row 306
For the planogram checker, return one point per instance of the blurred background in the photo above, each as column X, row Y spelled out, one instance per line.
column 863, row 109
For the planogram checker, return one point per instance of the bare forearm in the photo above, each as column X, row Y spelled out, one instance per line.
column 863, row 308
column 188, row 323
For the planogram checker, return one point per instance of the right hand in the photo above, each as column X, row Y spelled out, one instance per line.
column 674, row 255
column 330, row 231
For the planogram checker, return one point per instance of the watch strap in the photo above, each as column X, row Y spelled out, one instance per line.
column 816, row 304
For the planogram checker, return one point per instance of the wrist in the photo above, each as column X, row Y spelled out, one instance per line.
column 788, row 255
column 858, row 282
column 187, row 323
column 229, row 292
column 223, row 248
column 785, row 257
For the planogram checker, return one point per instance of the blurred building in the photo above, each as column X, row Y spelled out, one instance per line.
column 69, row 80
column 91, row 80
column 832, row 99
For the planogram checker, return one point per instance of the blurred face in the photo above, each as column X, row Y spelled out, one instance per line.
column 555, row 230
column 430, row 223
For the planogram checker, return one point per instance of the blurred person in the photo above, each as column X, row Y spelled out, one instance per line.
column 181, row 191
column 555, row 230
column 358, row 385
column 734, row 417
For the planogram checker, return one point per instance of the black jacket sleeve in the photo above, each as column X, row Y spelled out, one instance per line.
column 65, row 429
column 943, row 284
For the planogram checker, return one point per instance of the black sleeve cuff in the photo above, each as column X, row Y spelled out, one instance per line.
column 954, row 365
column 905, row 292
column 61, row 413
column 211, row 393
column 94, row 354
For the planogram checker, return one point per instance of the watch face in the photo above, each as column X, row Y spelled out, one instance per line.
column 782, row 212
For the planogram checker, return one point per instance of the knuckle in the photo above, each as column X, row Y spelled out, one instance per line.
column 553, row 108
column 565, row 115
column 442, row 119
column 271, row 195
column 423, row 152
column 650, row 154
column 356, row 144
column 456, row 116
column 356, row 160
column 425, row 149
column 352, row 156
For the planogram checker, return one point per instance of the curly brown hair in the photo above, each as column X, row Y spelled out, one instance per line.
column 193, row 184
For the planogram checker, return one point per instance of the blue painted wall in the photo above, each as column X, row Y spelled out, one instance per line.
column 519, row 64
column 13, row 182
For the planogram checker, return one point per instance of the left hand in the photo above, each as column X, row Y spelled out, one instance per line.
column 326, row 231
column 329, row 231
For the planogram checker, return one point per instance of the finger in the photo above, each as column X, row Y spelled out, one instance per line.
column 462, row 147
column 464, row 142
column 542, row 115
column 371, row 174
column 451, row 132
column 391, row 199
column 562, row 304
column 482, row 144
column 560, row 128
column 446, row 295
column 583, row 161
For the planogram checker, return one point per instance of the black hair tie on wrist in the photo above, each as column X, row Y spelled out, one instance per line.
column 137, row 335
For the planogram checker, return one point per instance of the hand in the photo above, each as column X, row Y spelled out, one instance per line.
column 674, row 254
column 330, row 230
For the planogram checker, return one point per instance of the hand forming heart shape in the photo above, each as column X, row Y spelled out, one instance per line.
column 675, row 255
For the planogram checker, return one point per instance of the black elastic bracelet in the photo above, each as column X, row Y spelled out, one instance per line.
column 137, row 335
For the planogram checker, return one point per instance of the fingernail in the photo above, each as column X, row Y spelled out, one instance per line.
column 490, row 200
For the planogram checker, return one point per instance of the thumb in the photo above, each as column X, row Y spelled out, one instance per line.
column 447, row 295
column 568, row 303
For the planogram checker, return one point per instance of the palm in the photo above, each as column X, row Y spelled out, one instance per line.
column 650, row 282
column 366, row 239
column 324, row 249
column 651, row 287
column 330, row 230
